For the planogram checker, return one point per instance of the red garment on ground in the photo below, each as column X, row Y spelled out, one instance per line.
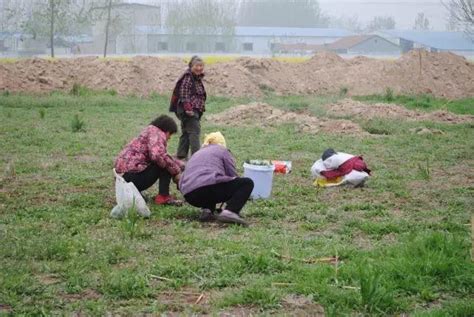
column 355, row 163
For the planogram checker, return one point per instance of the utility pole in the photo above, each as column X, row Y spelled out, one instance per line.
column 51, row 5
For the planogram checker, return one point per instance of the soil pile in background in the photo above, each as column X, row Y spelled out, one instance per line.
column 418, row 72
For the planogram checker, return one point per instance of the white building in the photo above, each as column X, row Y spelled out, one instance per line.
column 244, row 40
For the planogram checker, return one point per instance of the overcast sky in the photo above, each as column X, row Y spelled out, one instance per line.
column 404, row 11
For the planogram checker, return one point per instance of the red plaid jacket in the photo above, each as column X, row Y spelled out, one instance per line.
column 189, row 100
column 148, row 148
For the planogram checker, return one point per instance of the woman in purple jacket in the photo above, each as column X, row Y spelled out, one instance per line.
column 210, row 178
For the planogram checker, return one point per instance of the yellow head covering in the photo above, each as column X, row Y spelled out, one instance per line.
column 214, row 138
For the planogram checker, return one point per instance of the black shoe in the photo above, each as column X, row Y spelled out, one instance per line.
column 206, row 215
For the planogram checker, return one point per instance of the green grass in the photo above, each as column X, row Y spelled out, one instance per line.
column 403, row 241
column 424, row 102
column 8, row 60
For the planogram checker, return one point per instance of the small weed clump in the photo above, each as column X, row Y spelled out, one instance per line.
column 424, row 169
column 266, row 89
column 343, row 91
column 389, row 95
column 78, row 90
column 77, row 125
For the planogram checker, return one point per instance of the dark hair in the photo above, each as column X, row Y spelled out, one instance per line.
column 165, row 124
column 195, row 59
column 328, row 153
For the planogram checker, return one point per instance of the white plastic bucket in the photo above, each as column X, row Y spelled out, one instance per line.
column 262, row 177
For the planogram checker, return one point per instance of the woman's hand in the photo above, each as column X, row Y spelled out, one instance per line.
column 182, row 165
column 176, row 178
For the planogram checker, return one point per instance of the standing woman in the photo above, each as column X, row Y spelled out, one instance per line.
column 191, row 97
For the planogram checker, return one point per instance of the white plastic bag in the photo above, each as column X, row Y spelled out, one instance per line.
column 333, row 162
column 356, row 178
column 317, row 168
column 128, row 197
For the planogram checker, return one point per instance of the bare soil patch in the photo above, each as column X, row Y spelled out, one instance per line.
column 352, row 108
column 268, row 116
column 49, row 279
column 87, row 294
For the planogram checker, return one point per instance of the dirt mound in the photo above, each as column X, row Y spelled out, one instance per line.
column 440, row 74
column 140, row 75
column 351, row 108
column 418, row 72
column 325, row 59
column 266, row 115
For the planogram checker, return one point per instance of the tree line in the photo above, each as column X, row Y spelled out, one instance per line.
column 56, row 19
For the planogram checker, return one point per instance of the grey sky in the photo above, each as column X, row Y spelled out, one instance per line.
column 404, row 11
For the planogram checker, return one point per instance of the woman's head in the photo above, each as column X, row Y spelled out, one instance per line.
column 214, row 138
column 196, row 65
column 165, row 124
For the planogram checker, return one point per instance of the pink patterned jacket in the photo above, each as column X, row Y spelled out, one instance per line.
column 148, row 148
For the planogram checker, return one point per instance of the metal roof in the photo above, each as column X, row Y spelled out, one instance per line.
column 263, row 31
column 16, row 35
column 456, row 41
column 290, row 32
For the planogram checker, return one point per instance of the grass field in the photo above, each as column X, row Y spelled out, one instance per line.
column 403, row 241
column 460, row 106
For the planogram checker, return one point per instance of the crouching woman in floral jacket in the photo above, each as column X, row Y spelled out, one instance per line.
column 145, row 160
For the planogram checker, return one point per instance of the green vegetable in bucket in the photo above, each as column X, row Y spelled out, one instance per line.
column 259, row 162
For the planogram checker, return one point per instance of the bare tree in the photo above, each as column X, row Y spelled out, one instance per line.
column 47, row 19
column 461, row 12
column 421, row 22
column 286, row 13
column 351, row 23
column 52, row 11
column 107, row 11
column 107, row 27
column 381, row 23
column 200, row 17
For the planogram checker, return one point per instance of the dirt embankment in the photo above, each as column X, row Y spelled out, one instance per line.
column 418, row 72
column 351, row 108
column 266, row 115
